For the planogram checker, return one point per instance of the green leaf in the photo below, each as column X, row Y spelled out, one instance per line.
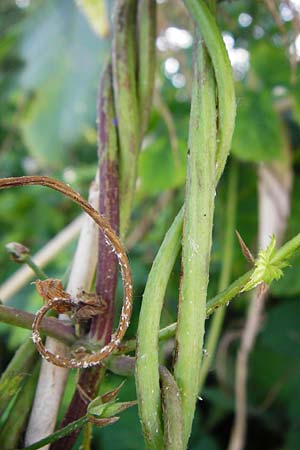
column 282, row 329
column 127, row 433
column 158, row 169
column 99, row 402
column 10, row 386
column 96, row 408
column 95, row 12
column 257, row 135
column 109, row 409
column 289, row 285
column 270, row 63
column 62, row 66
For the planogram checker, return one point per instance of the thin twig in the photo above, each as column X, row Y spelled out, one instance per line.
column 22, row 276
column 43, row 420
column 114, row 241
column 49, row 326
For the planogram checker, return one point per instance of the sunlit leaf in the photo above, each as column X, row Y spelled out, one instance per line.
column 62, row 68
column 96, row 13
column 258, row 136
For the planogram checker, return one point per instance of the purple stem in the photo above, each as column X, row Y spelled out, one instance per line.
column 107, row 269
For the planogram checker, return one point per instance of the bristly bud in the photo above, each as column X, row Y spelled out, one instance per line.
column 105, row 398
column 17, row 252
column 265, row 270
column 102, row 422
column 110, row 409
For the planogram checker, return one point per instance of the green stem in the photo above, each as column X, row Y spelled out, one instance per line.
column 87, row 437
column 287, row 250
column 206, row 23
column 224, row 297
column 172, row 410
column 126, row 104
column 146, row 29
column 212, row 305
column 36, row 269
column 220, row 300
column 147, row 364
column 197, row 234
column 227, row 259
column 50, row 326
column 58, row 434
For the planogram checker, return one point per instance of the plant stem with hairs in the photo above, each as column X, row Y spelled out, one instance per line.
column 147, row 364
column 205, row 165
column 106, row 271
column 197, row 234
column 113, row 109
column 227, row 259
column 126, row 103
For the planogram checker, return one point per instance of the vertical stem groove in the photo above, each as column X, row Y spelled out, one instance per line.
column 227, row 257
column 212, row 37
column 197, row 233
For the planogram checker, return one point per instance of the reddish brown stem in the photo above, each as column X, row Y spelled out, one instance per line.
column 49, row 326
column 106, row 281
column 107, row 269
column 112, row 240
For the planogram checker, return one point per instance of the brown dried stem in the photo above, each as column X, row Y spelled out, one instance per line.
column 113, row 240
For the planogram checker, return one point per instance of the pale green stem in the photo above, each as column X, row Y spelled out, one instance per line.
column 214, row 43
column 224, row 297
column 146, row 30
column 212, row 305
column 172, row 411
column 147, row 364
column 36, row 269
column 126, row 103
column 73, row 426
column 227, row 259
column 287, row 250
column 197, row 234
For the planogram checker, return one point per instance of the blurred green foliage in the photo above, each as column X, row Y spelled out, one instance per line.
column 50, row 64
